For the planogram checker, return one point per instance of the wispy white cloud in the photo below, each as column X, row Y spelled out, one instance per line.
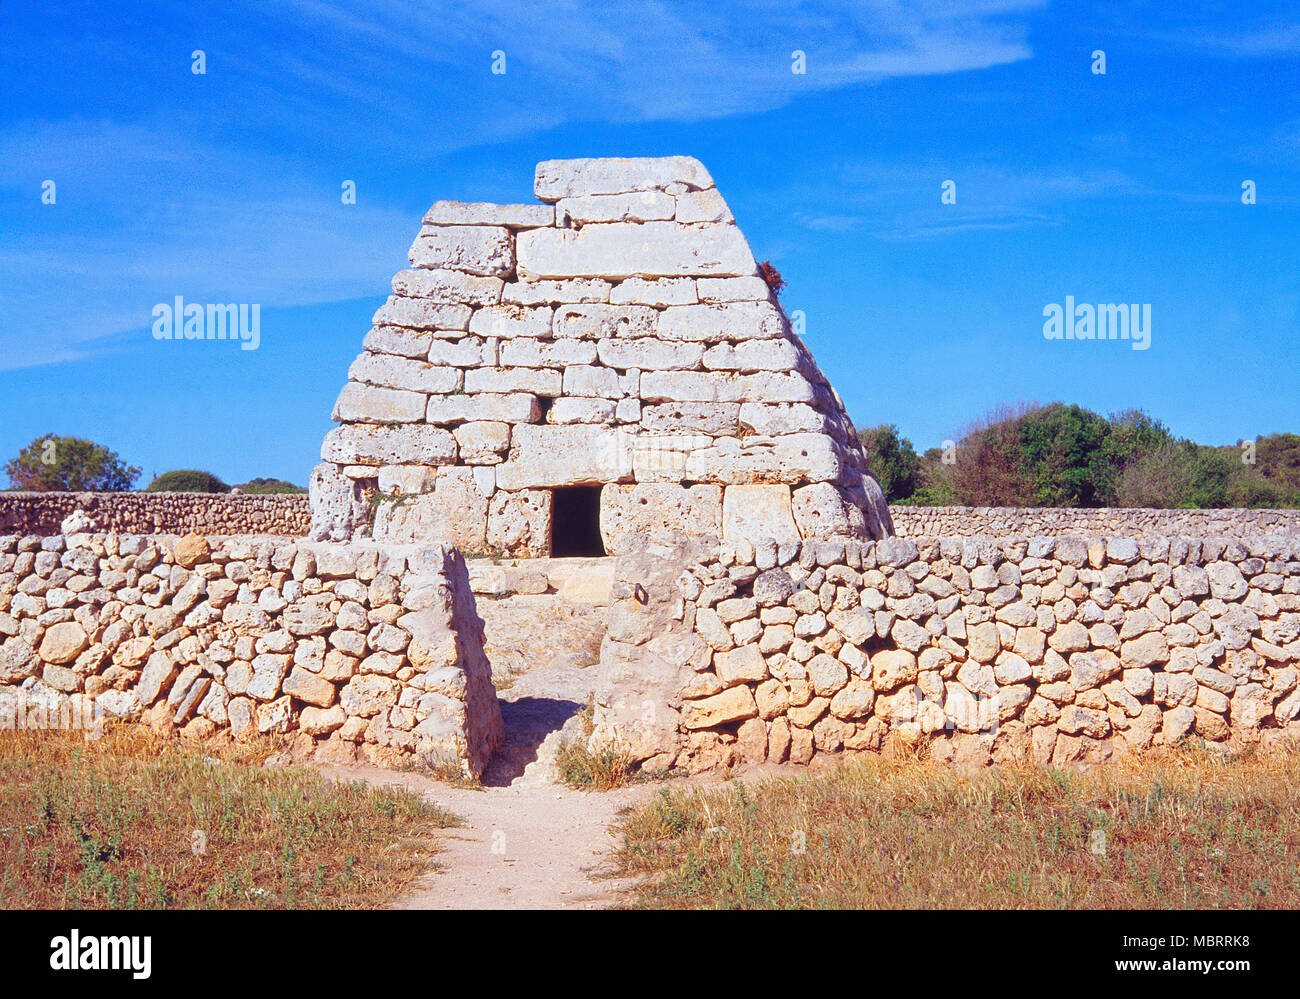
column 181, row 198
column 900, row 200
column 665, row 60
column 1270, row 42
column 131, row 228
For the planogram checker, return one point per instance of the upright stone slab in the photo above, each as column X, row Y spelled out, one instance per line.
column 608, row 362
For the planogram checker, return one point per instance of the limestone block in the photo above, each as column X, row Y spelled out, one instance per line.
column 62, row 643
column 482, row 442
column 702, row 206
column 721, row 386
column 555, row 292
column 467, row 352
column 755, row 512
column 455, row 287
column 421, row 314
column 512, row 321
column 715, row 322
column 754, row 355
column 385, row 371
column 519, row 523
column 733, row 704
column 637, row 206
column 340, row 507
column 774, row 419
column 654, row 508
column 548, row 456
column 580, row 410
column 591, row 381
column 742, row 665
column 503, row 381
column 820, row 511
column 651, row 354
column 662, row 457
column 595, row 322
column 741, row 289
column 660, row 292
column 455, row 512
column 556, row 179
column 369, row 444
column 714, row 419
column 649, row 249
column 399, row 341
column 475, row 249
column 793, row 459
column 406, row 478
column 529, row 353
column 485, row 213
column 515, row 407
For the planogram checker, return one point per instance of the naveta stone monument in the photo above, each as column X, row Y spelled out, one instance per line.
column 549, row 377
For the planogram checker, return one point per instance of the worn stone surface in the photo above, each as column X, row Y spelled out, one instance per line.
column 263, row 635
column 619, row 334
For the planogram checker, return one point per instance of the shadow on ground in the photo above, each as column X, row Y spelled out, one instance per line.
column 528, row 721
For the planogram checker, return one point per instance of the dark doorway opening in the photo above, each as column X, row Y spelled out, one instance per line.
column 575, row 522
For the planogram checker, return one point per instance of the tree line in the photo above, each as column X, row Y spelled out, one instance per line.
column 1065, row 455
column 73, row 464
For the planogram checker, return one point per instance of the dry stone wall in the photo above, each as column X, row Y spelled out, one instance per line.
column 286, row 514
column 616, row 335
column 355, row 651
column 977, row 521
column 1059, row 649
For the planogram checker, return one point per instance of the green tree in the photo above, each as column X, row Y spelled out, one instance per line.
column 1133, row 435
column 1277, row 457
column 69, row 463
column 1061, row 454
column 892, row 461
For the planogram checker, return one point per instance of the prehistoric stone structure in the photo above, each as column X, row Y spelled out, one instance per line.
column 547, row 378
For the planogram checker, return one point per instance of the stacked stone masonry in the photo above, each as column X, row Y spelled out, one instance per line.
column 618, row 335
column 359, row 651
column 286, row 514
column 975, row 521
column 1058, row 649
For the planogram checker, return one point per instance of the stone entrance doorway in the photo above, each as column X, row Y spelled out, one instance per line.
column 543, row 622
column 575, row 522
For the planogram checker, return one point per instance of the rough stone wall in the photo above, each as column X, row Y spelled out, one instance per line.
column 983, row 521
column 1061, row 649
column 616, row 335
column 286, row 514
column 356, row 651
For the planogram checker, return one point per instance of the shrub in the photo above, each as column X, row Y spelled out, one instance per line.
column 265, row 487
column 772, row 276
column 187, row 480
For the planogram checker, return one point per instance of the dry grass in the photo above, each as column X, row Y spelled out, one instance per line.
column 111, row 824
column 580, row 768
column 1182, row 829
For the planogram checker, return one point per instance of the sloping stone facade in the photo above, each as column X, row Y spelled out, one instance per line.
column 618, row 336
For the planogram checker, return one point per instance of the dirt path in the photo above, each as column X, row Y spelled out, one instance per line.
column 527, row 841
column 531, row 845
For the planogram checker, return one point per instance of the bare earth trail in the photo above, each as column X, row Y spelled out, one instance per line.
column 527, row 841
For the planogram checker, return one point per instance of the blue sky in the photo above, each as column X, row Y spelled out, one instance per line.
column 225, row 187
